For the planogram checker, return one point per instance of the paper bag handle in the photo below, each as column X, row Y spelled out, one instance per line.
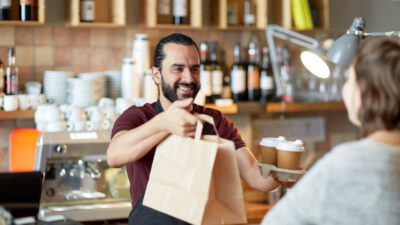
column 204, row 118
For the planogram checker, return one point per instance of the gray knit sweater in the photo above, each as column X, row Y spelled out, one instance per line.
column 356, row 183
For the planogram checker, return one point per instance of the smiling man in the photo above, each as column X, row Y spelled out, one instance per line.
column 138, row 131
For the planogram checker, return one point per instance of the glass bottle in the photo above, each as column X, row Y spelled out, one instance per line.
column 217, row 74
column 286, row 76
column 238, row 77
column 267, row 78
column 180, row 12
column 253, row 74
column 249, row 15
column 2, row 77
column 26, row 10
column 226, row 82
column 164, row 12
column 5, row 9
column 205, row 73
column 87, row 10
column 11, row 78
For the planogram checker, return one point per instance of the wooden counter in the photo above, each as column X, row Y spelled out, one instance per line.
column 255, row 212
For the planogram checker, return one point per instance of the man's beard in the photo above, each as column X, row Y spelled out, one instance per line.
column 169, row 92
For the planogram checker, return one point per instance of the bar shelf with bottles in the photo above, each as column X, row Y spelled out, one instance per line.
column 94, row 13
column 250, row 83
column 22, row 12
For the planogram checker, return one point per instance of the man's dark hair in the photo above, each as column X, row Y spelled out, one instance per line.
column 176, row 38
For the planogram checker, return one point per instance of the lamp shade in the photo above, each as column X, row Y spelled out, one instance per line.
column 343, row 49
column 315, row 64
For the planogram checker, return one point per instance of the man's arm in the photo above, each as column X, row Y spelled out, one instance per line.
column 131, row 145
column 250, row 172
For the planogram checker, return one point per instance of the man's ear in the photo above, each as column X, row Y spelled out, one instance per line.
column 155, row 72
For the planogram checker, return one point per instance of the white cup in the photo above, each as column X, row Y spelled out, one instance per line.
column 24, row 101
column 55, row 126
column 122, row 104
column 105, row 124
column 95, row 113
column 53, row 114
column 76, row 126
column 92, row 125
column 110, row 114
column 36, row 100
column 10, row 102
column 76, row 114
column 33, row 87
column 106, row 103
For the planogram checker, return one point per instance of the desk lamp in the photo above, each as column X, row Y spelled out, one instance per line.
column 343, row 49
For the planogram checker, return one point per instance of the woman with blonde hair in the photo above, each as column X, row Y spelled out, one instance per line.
column 357, row 182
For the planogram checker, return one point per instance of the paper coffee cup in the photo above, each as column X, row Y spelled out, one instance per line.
column 268, row 149
column 289, row 154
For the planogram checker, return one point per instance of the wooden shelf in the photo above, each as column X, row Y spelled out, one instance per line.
column 277, row 107
column 232, row 109
column 19, row 114
column 304, row 107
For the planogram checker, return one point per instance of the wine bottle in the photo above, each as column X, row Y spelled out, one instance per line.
column 180, row 14
column 164, row 12
column 2, row 77
column 217, row 74
column 238, row 77
column 253, row 74
column 5, row 9
column 205, row 73
column 226, row 83
column 288, row 90
column 249, row 15
column 11, row 82
column 267, row 78
column 26, row 10
column 87, row 10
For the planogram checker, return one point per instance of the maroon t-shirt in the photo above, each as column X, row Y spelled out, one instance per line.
column 139, row 171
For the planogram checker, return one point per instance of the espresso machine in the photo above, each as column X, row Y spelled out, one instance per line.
column 79, row 184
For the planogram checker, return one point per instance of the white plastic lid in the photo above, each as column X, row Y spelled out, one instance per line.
column 141, row 36
column 292, row 146
column 129, row 60
column 272, row 142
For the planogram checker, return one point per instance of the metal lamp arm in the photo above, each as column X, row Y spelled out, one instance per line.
column 386, row 34
column 275, row 31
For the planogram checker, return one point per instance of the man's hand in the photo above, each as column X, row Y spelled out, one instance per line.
column 178, row 120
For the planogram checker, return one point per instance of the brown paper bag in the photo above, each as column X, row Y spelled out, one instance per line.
column 197, row 180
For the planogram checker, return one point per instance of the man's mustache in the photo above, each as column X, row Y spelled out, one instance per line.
column 191, row 85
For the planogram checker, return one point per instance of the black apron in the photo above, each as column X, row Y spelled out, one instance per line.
column 143, row 215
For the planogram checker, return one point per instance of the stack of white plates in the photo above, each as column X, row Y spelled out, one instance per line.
column 87, row 89
column 56, row 85
column 113, row 84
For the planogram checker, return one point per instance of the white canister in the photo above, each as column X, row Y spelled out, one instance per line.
column 129, row 79
column 141, row 55
column 150, row 88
